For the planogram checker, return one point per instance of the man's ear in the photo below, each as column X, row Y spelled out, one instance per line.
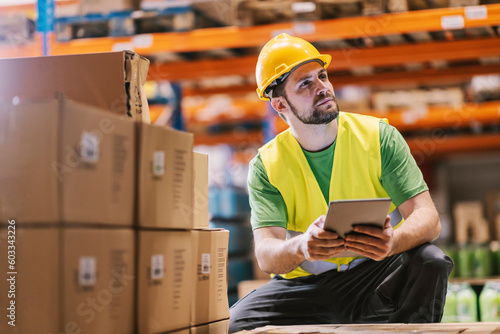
column 279, row 104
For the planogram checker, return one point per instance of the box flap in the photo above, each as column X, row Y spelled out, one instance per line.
column 96, row 79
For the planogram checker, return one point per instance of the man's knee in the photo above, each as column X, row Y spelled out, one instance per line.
column 430, row 257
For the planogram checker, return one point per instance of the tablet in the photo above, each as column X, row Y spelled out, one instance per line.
column 344, row 214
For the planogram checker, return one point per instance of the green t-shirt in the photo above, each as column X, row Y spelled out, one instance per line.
column 401, row 178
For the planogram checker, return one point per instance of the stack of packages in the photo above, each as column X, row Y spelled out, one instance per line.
column 103, row 217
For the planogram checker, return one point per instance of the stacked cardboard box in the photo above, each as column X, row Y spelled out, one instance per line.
column 181, row 270
column 66, row 215
column 99, row 212
column 112, row 81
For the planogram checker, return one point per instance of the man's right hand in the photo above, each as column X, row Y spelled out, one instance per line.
column 318, row 244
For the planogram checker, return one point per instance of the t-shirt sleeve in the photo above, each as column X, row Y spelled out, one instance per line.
column 267, row 205
column 401, row 177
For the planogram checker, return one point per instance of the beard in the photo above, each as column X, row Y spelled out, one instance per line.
column 315, row 115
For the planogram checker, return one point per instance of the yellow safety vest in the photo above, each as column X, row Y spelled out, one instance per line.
column 355, row 174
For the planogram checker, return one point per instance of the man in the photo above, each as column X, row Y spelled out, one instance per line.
column 330, row 155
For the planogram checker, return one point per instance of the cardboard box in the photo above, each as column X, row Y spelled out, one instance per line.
column 200, row 200
column 107, row 6
column 71, row 280
column 219, row 327
column 225, row 12
column 112, row 81
column 66, row 162
column 209, row 298
column 165, row 188
column 99, row 276
column 164, row 281
column 492, row 212
column 36, row 288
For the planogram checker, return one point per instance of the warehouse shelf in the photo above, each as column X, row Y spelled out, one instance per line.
column 406, row 120
column 346, row 58
column 315, row 31
column 342, row 59
column 424, row 76
column 475, row 281
column 444, row 117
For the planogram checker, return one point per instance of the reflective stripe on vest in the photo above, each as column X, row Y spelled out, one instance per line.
column 355, row 175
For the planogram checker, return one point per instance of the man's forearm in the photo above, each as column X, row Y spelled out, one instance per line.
column 279, row 256
column 421, row 226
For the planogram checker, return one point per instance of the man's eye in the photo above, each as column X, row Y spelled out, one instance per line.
column 322, row 76
column 304, row 83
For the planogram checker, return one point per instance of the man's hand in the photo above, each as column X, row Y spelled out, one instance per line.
column 318, row 244
column 372, row 242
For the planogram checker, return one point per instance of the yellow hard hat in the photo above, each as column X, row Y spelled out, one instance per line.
column 280, row 56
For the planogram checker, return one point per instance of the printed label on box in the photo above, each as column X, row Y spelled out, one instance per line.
column 205, row 263
column 89, row 147
column 157, row 267
column 87, row 271
column 158, row 163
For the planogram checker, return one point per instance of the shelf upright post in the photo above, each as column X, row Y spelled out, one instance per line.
column 177, row 118
column 45, row 22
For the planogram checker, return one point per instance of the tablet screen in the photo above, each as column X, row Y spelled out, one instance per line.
column 342, row 215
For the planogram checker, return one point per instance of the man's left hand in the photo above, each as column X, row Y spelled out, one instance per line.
column 371, row 242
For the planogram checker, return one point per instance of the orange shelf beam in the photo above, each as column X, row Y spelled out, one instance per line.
column 423, row 148
column 236, row 37
column 380, row 56
column 444, row 117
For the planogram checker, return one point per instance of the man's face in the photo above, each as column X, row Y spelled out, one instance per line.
column 310, row 95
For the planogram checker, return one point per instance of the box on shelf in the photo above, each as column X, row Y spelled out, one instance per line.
column 113, row 80
column 373, row 7
column 16, row 30
column 266, row 12
column 200, row 200
column 165, row 281
column 470, row 224
column 218, row 327
column 462, row 3
column 493, row 213
column 424, row 4
column 209, row 294
column 71, row 280
column 107, row 6
column 225, row 12
column 66, row 162
column 328, row 9
column 165, row 177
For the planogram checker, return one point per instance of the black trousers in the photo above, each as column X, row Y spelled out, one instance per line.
column 405, row 288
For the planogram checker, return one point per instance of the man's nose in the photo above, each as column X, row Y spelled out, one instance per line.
column 321, row 88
